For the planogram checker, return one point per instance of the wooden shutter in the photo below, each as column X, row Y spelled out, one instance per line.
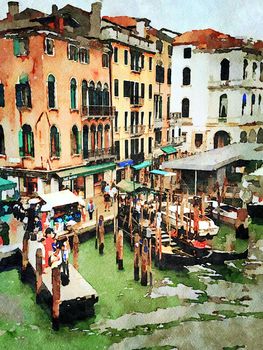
column 126, row 88
column 16, row 47
column 2, row 95
column 20, row 143
column 19, row 102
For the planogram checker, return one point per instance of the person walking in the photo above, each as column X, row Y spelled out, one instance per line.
column 90, row 208
column 107, row 201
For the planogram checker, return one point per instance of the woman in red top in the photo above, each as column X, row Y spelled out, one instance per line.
column 48, row 245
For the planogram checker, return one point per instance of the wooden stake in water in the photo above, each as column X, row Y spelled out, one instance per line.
column 150, row 262
column 101, row 233
column 39, row 271
column 24, row 255
column 136, row 257
column 55, row 297
column 75, row 250
column 97, row 228
column 131, row 226
column 144, row 279
column 120, row 249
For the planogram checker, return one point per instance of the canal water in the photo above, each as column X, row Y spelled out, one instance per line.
column 198, row 307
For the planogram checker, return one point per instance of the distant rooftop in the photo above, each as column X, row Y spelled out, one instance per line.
column 123, row 21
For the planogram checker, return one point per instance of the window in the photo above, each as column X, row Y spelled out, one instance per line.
column 116, row 87
column 150, row 63
column 169, row 76
column 49, row 46
column 26, row 141
column 261, row 71
column 223, row 104
column 150, row 145
column 126, row 88
column 142, row 145
column 73, row 93
column 85, row 138
column 185, row 108
column 142, row 61
column 259, row 99
column 83, row 55
column 54, row 142
column 84, row 97
column 224, row 69
column 116, row 121
column 186, row 76
column 126, row 55
column 170, row 50
column 150, row 120
column 73, row 53
column 126, row 121
column 150, row 91
column 126, row 149
column 254, row 70
column 105, row 95
column 115, row 54
column 159, row 45
column 168, row 105
column 2, row 95
column 158, row 105
column 142, row 90
column 98, row 94
column 117, row 149
column 91, row 90
column 198, row 140
column 244, row 103
column 2, row 140
column 51, row 81
column 245, row 64
column 159, row 78
column 75, row 140
column 135, row 60
column 187, row 52
column 253, row 101
column 105, row 60
column 142, row 118
column 23, row 92
column 21, row 47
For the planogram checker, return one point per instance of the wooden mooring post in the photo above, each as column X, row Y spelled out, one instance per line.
column 55, row 297
column 24, row 256
column 75, row 251
column 136, row 257
column 144, row 263
column 39, row 271
column 120, row 250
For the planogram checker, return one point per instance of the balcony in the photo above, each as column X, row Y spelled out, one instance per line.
column 136, row 101
column 176, row 141
column 175, row 118
column 101, row 153
column 136, row 130
column 158, row 123
column 137, row 158
column 97, row 111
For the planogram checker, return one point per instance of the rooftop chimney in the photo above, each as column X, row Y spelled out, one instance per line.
column 95, row 19
column 54, row 9
column 13, row 8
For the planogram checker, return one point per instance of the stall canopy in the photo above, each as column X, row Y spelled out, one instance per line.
column 71, row 174
column 6, row 184
column 142, row 165
column 125, row 163
column 58, row 199
column 162, row 172
column 128, row 186
column 169, row 149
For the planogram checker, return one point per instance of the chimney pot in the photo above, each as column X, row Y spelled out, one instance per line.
column 54, row 9
column 13, row 8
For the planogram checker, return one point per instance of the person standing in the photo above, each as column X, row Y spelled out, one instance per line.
column 48, row 245
column 90, row 208
column 64, row 256
column 107, row 201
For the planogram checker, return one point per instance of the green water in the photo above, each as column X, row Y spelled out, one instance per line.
column 27, row 325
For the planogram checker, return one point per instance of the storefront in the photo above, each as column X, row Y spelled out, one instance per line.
column 141, row 172
column 86, row 180
column 169, row 152
column 123, row 170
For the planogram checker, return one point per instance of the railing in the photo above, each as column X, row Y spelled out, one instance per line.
column 137, row 129
column 137, row 101
column 88, row 111
column 177, row 140
column 100, row 153
column 222, row 119
column 175, row 116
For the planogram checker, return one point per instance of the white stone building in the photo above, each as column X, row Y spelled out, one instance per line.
column 217, row 87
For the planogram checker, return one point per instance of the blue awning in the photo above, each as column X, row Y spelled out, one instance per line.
column 125, row 163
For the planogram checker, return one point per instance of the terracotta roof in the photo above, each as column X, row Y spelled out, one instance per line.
column 208, row 39
column 258, row 45
column 124, row 21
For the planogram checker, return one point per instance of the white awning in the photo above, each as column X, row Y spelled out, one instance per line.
column 57, row 199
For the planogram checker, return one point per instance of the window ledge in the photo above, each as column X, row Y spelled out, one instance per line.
column 24, row 108
column 75, row 155
column 74, row 110
column 27, row 157
column 54, row 158
column 184, row 86
column 55, row 109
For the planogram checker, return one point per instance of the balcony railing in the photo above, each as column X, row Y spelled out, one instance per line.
column 137, row 129
column 100, row 153
column 137, row 101
column 93, row 111
column 175, row 116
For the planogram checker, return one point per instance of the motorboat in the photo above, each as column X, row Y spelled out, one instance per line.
column 206, row 225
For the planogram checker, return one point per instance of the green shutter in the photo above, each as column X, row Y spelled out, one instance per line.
column 79, row 142
column 16, row 47
column 32, row 153
column 20, row 142
column 71, row 142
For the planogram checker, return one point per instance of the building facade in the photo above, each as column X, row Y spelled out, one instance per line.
column 55, row 108
column 217, row 87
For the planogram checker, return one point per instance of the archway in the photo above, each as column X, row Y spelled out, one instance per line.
column 221, row 139
column 252, row 136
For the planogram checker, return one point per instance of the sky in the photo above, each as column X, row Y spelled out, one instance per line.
column 235, row 17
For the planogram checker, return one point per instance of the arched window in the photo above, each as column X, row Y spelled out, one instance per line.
column 186, row 76
column 243, row 137
column 85, row 141
column 2, row 95
column 159, row 70
column 259, row 100
column 91, row 93
column 26, row 141
column 51, row 81
column 254, row 70
column 84, row 97
column 75, row 140
column 185, row 108
column 93, row 132
column 73, row 93
column 2, row 140
column 169, row 76
column 223, row 106
column 261, row 71
column 224, row 69
column 54, row 142
column 245, row 64
column 100, row 136
column 105, row 60
column 260, row 136
column 105, row 95
column 23, row 92
column 244, row 103
column 98, row 94
column 253, row 101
